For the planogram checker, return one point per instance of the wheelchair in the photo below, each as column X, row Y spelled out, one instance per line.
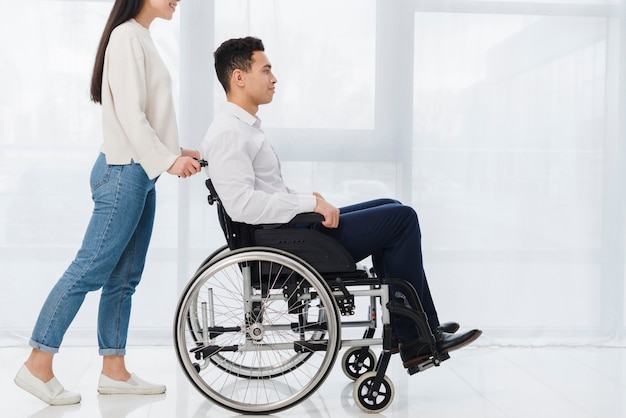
column 258, row 327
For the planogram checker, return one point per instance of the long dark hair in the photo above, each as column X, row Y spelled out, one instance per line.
column 122, row 11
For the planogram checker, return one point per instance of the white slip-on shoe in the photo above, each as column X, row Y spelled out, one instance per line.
column 51, row 392
column 133, row 386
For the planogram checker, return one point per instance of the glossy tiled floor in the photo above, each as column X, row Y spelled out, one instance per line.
column 475, row 382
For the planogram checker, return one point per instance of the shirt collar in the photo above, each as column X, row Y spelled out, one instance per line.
column 242, row 115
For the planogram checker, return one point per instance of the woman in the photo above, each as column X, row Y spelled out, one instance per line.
column 133, row 86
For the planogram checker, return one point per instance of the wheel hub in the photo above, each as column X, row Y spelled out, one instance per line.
column 256, row 331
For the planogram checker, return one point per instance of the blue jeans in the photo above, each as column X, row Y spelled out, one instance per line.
column 111, row 258
column 388, row 231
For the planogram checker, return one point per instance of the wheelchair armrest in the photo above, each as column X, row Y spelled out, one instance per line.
column 306, row 218
column 299, row 219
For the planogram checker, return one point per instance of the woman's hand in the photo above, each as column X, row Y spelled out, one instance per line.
column 185, row 166
column 190, row 153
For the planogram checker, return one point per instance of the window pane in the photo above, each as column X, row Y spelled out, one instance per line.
column 322, row 53
column 509, row 135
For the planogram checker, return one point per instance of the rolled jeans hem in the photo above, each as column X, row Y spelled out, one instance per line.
column 112, row 351
column 38, row 346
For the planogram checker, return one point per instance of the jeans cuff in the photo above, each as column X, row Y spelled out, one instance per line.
column 38, row 346
column 112, row 351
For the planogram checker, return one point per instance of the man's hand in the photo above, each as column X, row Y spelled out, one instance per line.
column 328, row 211
column 184, row 167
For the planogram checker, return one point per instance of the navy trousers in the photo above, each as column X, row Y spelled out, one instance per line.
column 388, row 231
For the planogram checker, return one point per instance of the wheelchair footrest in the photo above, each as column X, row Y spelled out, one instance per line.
column 427, row 364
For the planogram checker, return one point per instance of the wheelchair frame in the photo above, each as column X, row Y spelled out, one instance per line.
column 258, row 327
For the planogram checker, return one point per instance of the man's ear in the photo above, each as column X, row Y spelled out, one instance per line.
column 237, row 78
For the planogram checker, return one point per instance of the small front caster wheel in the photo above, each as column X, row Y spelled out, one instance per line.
column 353, row 366
column 373, row 399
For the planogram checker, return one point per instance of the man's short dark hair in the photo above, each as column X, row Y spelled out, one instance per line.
column 235, row 54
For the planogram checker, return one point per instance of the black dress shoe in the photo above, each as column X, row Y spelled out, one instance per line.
column 449, row 327
column 416, row 351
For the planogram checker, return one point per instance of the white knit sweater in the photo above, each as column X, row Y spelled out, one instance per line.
column 138, row 118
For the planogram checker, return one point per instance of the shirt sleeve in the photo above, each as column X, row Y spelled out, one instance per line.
column 128, row 87
column 231, row 170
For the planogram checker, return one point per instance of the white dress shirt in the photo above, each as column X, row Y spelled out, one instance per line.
column 246, row 171
column 138, row 118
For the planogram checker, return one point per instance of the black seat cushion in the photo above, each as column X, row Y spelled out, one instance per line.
column 323, row 253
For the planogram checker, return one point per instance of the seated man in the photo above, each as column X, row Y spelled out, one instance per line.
column 246, row 175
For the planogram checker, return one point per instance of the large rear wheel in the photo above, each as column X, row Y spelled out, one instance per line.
column 257, row 330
